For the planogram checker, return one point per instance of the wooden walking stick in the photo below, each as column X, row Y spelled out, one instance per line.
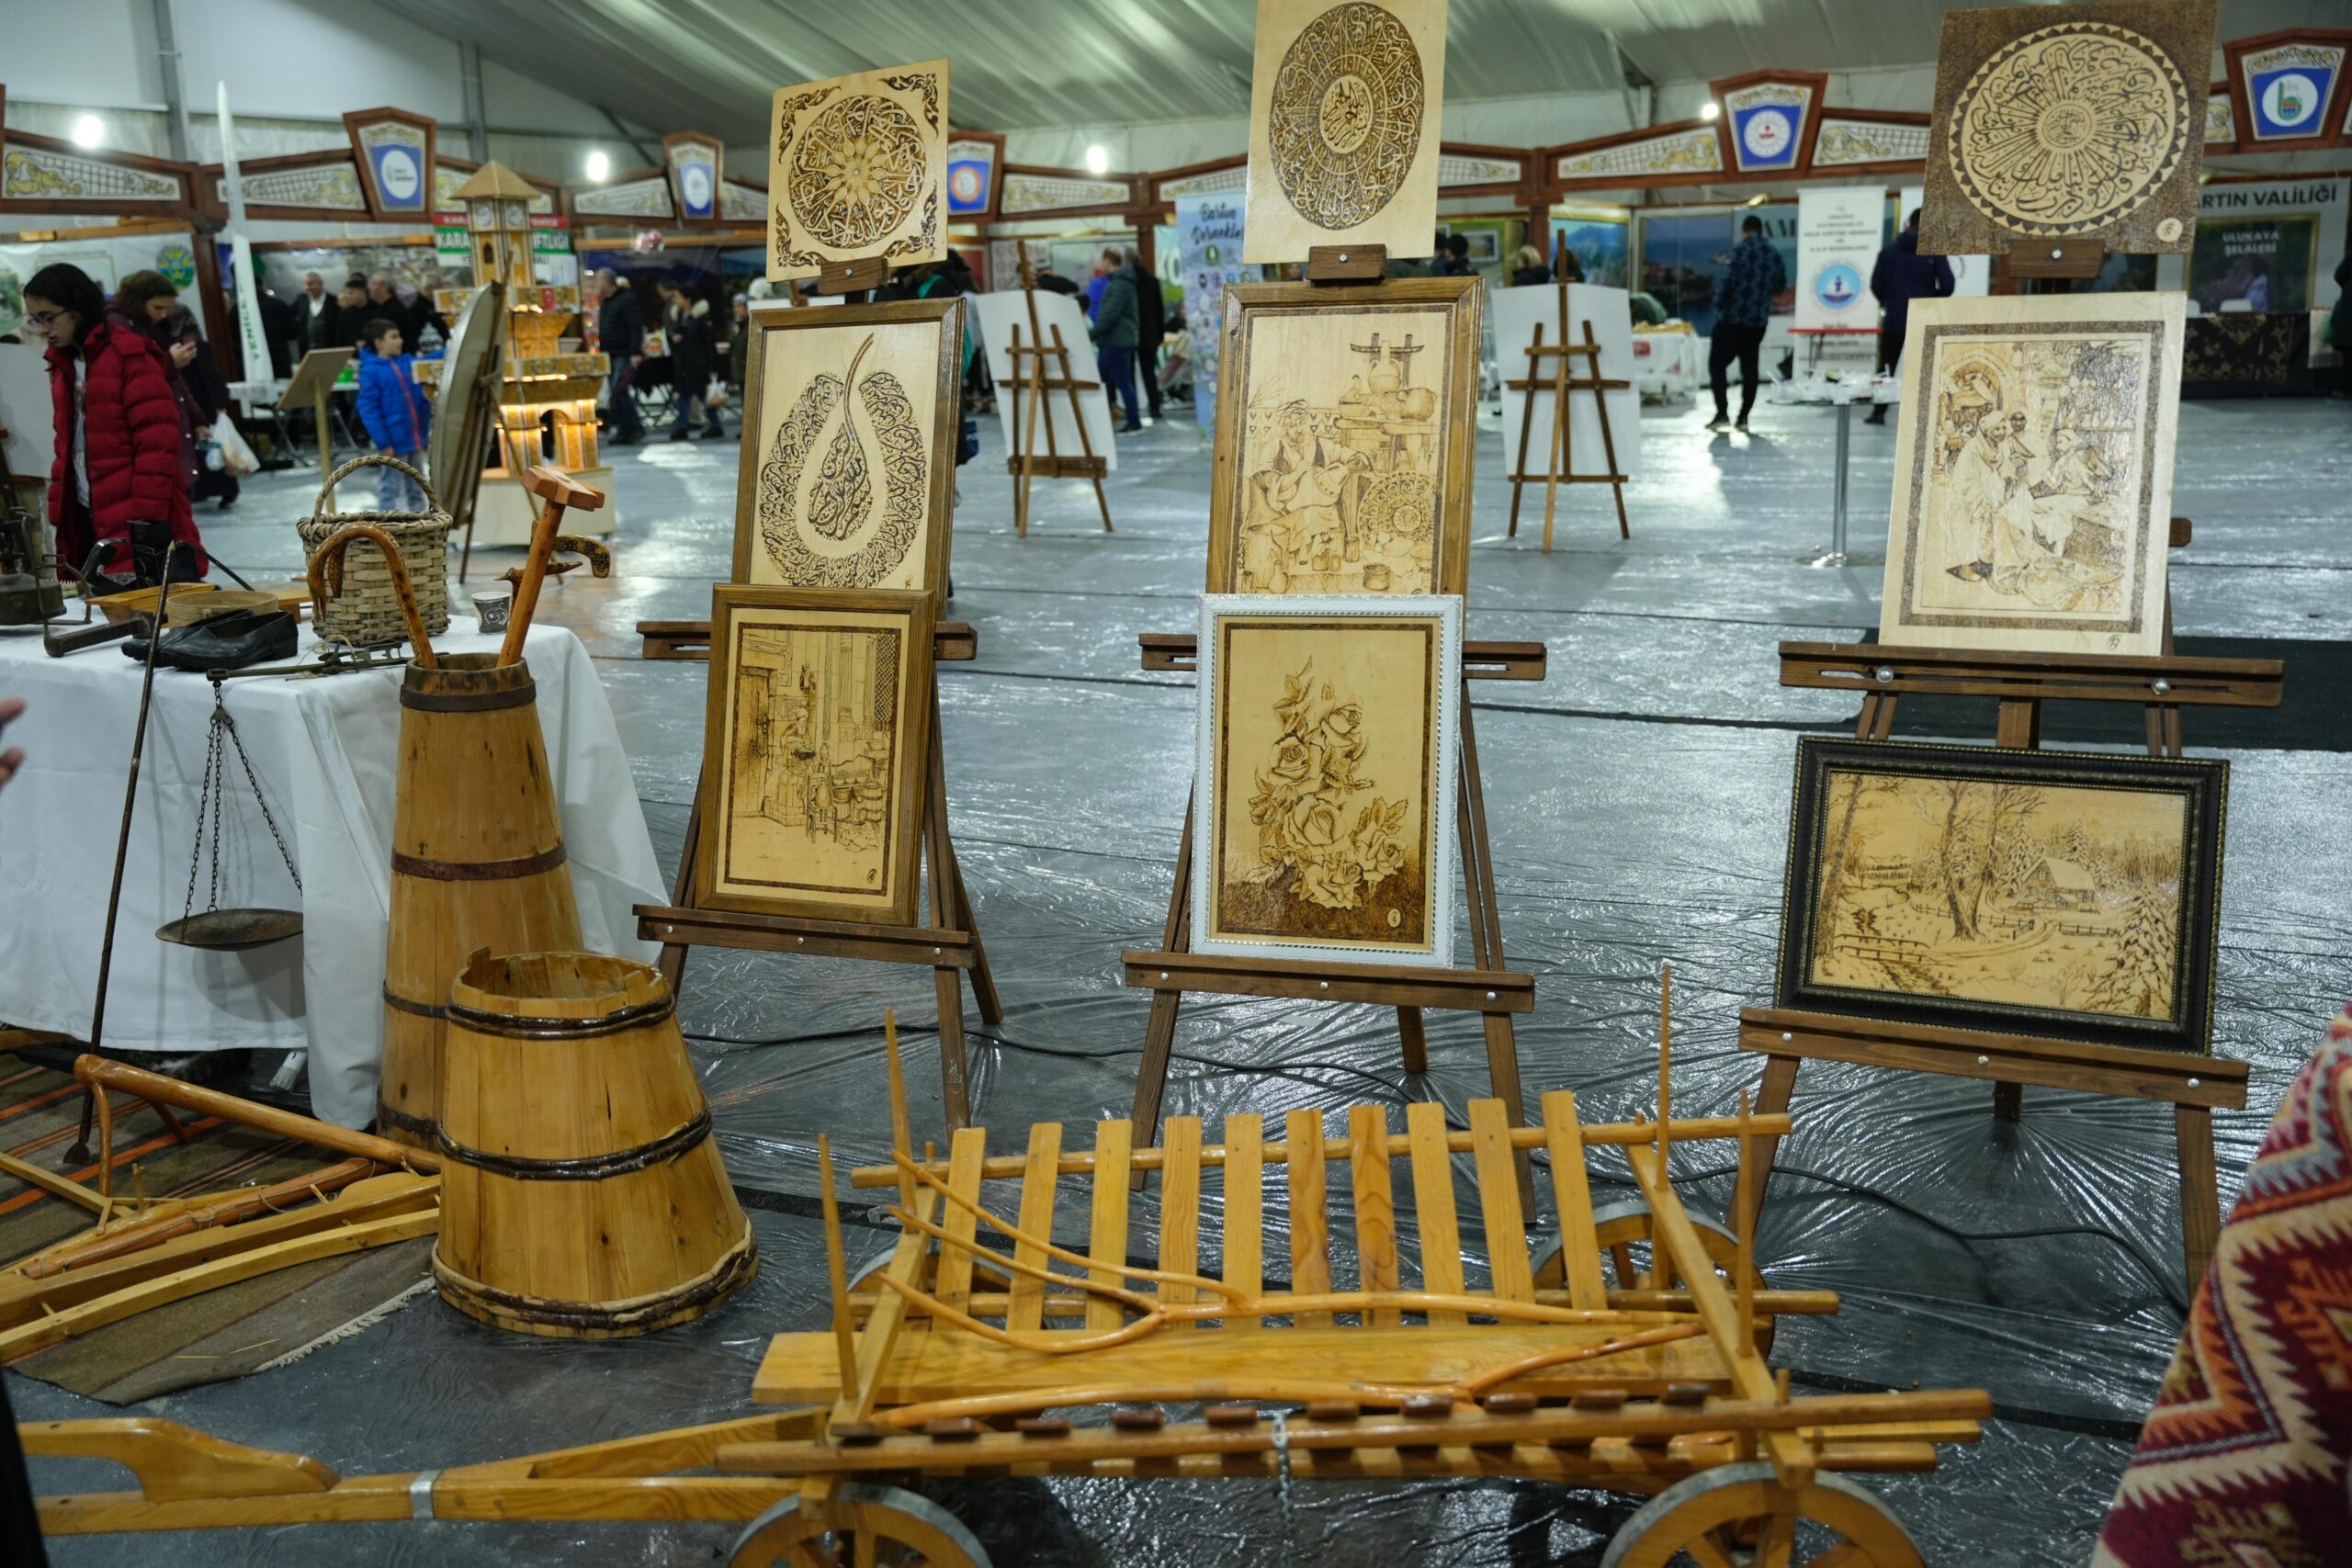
column 80, row 1153
column 558, row 490
column 326, row 580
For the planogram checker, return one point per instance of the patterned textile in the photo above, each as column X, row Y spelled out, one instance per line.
column 2242, row 1461
column 1751, row 279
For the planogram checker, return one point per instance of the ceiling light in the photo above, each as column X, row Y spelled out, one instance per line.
column 1098, row 159
column 600, row 166
column 89, row 130
column 1759, row 200
column 1710, row 109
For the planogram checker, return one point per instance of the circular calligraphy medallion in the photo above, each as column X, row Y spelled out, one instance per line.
column 2068, row 128
column 857, row 170
column 1346, row 117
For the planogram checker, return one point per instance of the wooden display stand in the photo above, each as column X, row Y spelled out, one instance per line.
column 312, row 382
column 1040, row 369
column 949, row 944
column 2194, row 1085
column 1487, row 989
column 1560, row 382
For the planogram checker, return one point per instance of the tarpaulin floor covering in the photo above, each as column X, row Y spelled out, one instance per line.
column 1638, row 802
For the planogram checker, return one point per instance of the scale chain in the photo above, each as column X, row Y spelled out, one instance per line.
column 214, row 789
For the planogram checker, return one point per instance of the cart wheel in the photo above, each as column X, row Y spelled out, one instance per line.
column 874, row 1526
column 1619, row 1225
column 1741, row 1516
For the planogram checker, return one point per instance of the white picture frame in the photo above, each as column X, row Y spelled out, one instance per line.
column 1297, row 869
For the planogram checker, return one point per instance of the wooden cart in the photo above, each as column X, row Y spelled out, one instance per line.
column 970, row 1352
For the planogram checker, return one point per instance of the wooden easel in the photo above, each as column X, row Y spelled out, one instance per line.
column 949, row 944
column 1486, row 989
column 2194, row 1085
column 1040, row 369
column 461, row 487
column 1560, row 383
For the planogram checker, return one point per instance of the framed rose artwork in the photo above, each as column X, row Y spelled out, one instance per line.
column 1325, row 790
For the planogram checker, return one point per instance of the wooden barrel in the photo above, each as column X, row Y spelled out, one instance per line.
column 477, row 862
column 582, row 1195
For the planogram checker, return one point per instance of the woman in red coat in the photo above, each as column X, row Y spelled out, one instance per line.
column 116, row 478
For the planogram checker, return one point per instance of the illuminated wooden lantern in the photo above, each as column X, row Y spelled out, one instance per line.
column 547, row 398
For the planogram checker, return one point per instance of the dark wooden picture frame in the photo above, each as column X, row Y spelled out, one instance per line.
column 1250, row 304
column 768, row 318
column 2202, row 785
column 905, row 801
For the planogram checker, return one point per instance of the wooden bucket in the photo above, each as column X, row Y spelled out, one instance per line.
column 477, row 862
column 582, row 1195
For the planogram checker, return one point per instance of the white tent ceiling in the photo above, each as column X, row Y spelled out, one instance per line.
column 712, row 64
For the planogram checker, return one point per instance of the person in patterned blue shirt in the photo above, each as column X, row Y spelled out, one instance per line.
column 1743, row 308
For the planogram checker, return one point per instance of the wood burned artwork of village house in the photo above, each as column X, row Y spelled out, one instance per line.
column 2045, row 893
column 1327, row 756
column 818, row 716
column 2033, row 474
column 1343, row 447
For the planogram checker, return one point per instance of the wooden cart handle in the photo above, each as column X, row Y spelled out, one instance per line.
column 96, row 1072
column 326, row 580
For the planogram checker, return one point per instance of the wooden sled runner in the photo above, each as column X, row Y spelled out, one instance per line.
column 965, row 1355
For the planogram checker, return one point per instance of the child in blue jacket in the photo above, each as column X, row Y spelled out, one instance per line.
column 396, row 414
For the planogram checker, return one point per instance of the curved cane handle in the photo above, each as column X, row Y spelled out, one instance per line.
column 326, row 580
column 370, row 461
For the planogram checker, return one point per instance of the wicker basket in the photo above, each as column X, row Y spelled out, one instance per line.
column 367, row 615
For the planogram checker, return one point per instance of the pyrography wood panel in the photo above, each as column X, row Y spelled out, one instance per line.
column 2069, row 122
column 1344, row 105
column 813, row 512
column 889, row 128
column 1949, row 338
column 798, row 886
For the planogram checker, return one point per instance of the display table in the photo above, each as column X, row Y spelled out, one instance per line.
column 1665, row 361
column 326, row 751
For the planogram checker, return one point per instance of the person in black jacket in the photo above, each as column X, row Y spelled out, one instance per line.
column 1901, row 276
column 620, row 331
column 412, row 313
column 693, row 359
column 1527, row 266
column 208, row 402
column 1151, row 328
column 315, row 316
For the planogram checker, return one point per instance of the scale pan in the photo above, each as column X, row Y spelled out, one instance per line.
column 230, row 931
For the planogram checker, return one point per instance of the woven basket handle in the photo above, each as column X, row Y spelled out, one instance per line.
column 373, row 460
column 326, row 579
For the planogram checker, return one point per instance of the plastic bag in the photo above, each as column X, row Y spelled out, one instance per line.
column 234, row 456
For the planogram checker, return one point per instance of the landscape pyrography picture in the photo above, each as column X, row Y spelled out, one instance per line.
column 817, row 722
column 1328, row 752
column 2036, row 884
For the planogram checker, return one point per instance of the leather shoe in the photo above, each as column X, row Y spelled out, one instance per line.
column 224, row 642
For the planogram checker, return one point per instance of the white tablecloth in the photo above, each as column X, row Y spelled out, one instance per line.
column 327, row 754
